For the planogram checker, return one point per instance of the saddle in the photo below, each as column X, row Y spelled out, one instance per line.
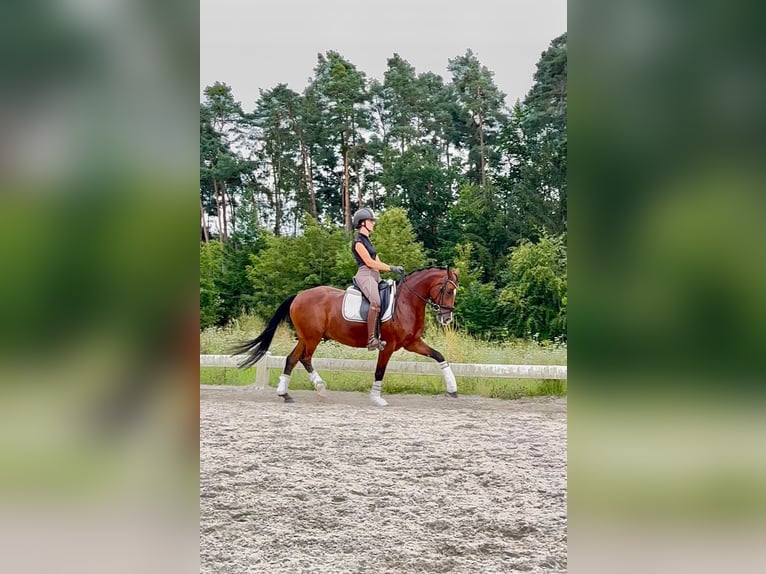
column 356, row 306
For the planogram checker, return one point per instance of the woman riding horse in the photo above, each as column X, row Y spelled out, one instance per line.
column 317, row 314
column 368, row 273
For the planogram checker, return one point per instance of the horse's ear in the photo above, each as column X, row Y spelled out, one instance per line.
column 456, row 270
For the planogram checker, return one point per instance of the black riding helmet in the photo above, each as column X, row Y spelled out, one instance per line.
column 361, row 215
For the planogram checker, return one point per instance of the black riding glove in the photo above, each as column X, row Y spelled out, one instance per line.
column 398, row 270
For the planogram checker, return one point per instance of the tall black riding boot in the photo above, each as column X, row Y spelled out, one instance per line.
column 373, row 343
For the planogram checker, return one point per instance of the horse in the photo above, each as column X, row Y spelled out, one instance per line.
column 316, row 315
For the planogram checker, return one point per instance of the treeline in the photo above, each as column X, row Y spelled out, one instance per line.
column 530, row 300
column 477, row 184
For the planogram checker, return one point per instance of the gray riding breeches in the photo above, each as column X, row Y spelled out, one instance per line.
column 367, row 279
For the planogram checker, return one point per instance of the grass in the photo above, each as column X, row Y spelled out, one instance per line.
column 455, row 346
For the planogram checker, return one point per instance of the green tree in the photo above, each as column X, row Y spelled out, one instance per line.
column 535, row 297
column 339, row 95
column 233, row 285
column 210, row 270
column 477, row 309
column 274, row 116
column 479, row 313
column 531, row 176
column 548, row 95
column 418, row 183
column 291, row 264
column 526, row 204
column 463, row 260
column 483, row 101
column 471, row 218
column 221, row 169
column 401, row 99
column 442, row 116
column 544, row 125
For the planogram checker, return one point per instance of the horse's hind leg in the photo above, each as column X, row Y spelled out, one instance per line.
column 284, row 378
column 314, row 377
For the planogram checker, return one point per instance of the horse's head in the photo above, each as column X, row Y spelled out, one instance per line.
column 437, row 288
column 442, row 293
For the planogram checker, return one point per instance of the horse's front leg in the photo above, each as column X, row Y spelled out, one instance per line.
column 380, row 369
column 450, row 382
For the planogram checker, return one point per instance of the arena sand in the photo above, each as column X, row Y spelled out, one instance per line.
column 427, row 484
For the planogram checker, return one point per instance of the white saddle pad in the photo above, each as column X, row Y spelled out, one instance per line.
column 352, row 304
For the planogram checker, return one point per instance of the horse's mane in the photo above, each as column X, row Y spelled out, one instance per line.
column 426, row 268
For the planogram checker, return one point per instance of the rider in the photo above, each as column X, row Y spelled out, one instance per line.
column 368, row 275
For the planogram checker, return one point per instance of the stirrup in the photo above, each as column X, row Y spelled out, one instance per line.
column 375, row 345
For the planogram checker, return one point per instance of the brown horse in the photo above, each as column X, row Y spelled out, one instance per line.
column 316, row 314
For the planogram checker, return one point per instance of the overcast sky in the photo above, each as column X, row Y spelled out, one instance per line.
column 257, row 44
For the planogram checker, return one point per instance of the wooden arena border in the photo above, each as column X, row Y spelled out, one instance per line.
column 270, row 361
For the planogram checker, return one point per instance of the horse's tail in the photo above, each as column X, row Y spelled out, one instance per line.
column 257, row 347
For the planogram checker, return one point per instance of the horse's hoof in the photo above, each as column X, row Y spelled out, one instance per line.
column 321, row 391
column 287, row 398
column 453, row 395
column 379, row 401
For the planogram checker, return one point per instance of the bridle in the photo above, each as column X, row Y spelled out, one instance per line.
column 435, row 304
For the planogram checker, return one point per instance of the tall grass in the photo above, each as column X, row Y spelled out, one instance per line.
column 457, row 347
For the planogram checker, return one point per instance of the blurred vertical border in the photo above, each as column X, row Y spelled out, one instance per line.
column 667, row 458
column 99, row 393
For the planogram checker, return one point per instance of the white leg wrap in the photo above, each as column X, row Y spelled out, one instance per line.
column 318, row 383
column 315, row 378
column 284, row 382
column 449, row 377
column 375, row 394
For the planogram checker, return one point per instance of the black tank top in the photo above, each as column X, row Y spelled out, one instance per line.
column 364, row 240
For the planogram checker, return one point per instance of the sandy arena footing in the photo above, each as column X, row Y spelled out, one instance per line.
column 427, row 484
